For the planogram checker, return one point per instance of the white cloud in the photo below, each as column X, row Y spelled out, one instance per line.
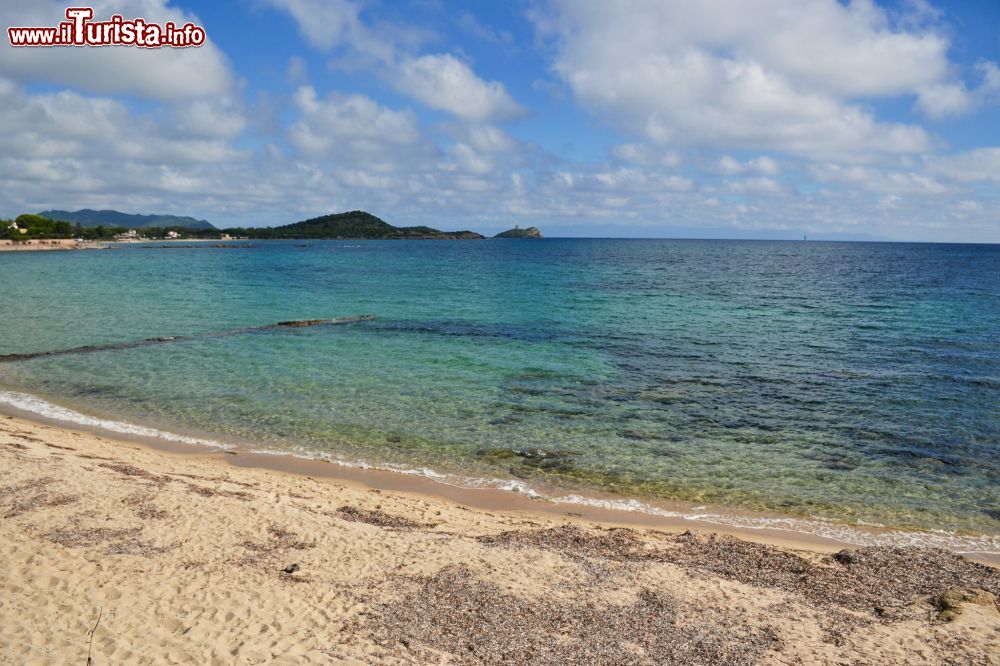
column 440, row 81
column 728, row 165
column 637, row 153
column 68, row 150
column 327, row 24
column 938, row 100
column 878, row 180
column 780, row 75
column 220, row 117
column 764, row 165
column 352, row 128
column 624, row 181
column 849, row 50
column 990, row 74
column 755, row 185
column 69, row 125
column 943, row 99
column 166, row 74
column 444, row 82
column 488, row 138
column 968, row 205
column 978, row 165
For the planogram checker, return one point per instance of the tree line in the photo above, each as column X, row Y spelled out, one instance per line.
column 37, row 227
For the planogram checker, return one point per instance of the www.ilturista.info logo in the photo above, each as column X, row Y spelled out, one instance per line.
column 79, row 30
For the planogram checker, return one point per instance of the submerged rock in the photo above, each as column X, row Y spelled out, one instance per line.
column 527, row 454
column 497, row 453
column 302, row 322
column 543, row 454
column 638, row 434
column 530, row 460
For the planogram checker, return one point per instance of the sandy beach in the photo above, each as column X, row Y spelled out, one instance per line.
column 186, row 558
column 35, row 245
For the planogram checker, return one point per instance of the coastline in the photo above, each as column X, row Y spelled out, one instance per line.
column 41, row 245
column 184, row 555
column 507, row 495
column 45, row 245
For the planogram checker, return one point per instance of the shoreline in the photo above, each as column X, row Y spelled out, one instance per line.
column 205, row 557
column 47, row 244
column 41, row 245
column 501, row 495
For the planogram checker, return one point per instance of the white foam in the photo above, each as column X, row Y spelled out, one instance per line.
column 459, row 481
column 847, row 534
column 36, row 405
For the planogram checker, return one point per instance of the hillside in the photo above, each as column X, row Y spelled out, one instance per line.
column 113, row 218
column 518, row 232
column 355, row 224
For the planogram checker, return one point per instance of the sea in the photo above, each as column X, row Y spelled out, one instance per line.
column 845, row 389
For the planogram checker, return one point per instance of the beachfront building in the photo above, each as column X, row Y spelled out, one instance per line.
column 172, row 234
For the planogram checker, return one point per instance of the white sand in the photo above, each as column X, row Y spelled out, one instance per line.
column 181, row 557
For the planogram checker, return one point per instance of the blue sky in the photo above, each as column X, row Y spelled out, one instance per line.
column 659, row 118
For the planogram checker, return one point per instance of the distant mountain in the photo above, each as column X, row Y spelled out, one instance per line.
column 356, row 224
column 518, row 232
column 114, row 218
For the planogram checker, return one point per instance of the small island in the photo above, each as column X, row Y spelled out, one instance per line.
column 353, row 225
column 518, row 232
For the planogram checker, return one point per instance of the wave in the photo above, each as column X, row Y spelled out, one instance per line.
column 847, row 534
column 36, row 405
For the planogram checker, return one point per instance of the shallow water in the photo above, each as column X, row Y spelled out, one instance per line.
column 847, row 381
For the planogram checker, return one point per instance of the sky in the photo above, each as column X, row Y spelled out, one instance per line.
column 635, row 118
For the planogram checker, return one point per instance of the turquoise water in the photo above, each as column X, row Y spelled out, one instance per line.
column 850, row 382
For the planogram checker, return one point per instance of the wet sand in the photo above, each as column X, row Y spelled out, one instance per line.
column 217, row 558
